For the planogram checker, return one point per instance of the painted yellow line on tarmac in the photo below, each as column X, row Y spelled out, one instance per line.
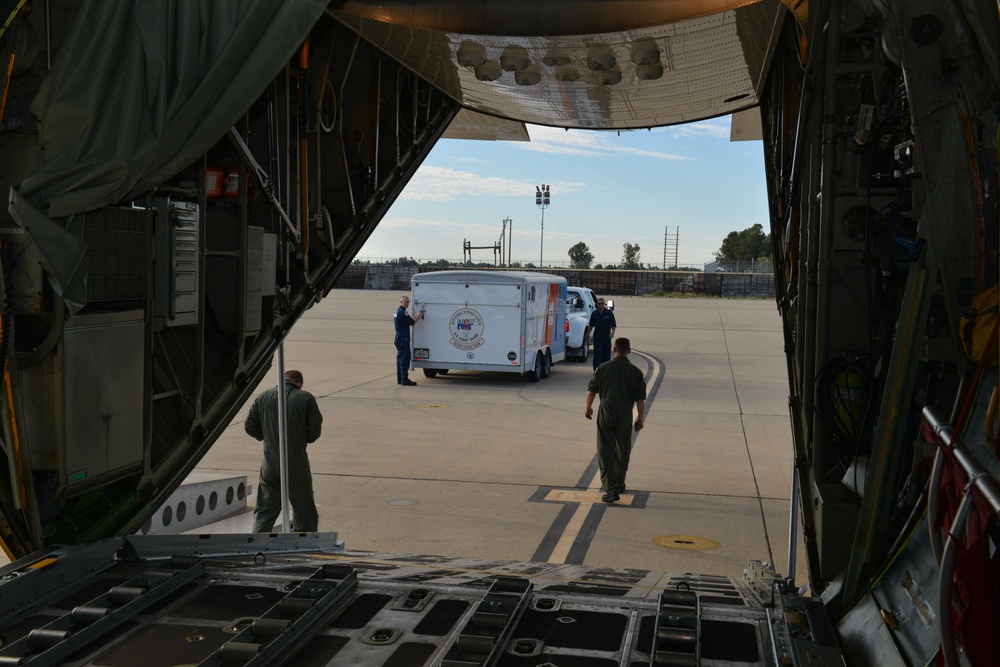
column 591, row 495
column 565, row 543
column 572, row 530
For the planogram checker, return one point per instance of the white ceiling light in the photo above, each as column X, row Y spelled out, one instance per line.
column 471, row 54
column 514, row 58
column 600, row 58
column 601, row 63
column 649, row 71
column 567, row 74
column 609, row 78
column 557, row 59
column 488, row 71
column 529, row 77
column 645, row 52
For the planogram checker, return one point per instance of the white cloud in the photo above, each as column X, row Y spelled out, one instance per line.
column 584, row 143
column 718, row 128
column 428, row 225
column 409, row 223
column 654, row 154
column 442, row 184
column 445, row 184
column 564, row 142
column 561, row 149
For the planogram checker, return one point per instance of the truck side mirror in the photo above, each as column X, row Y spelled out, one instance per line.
column 578, row 303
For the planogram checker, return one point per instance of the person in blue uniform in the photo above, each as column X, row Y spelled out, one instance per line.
column 602, row 332
column 620, row 385
column 305, row 423
column 403, row 322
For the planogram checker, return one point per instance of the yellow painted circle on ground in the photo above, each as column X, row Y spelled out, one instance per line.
column 686, row 542
column 433, row 405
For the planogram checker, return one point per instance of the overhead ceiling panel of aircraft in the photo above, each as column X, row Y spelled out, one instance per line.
column 645, row 76
column 471, row 125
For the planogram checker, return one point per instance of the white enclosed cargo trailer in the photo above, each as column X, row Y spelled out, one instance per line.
column 511, row 322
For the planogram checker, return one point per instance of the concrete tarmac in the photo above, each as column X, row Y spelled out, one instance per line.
column 488, row 465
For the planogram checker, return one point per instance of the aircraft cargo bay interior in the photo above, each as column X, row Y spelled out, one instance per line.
column 186, row 180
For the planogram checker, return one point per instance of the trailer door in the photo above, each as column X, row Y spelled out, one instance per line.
column 472, row 325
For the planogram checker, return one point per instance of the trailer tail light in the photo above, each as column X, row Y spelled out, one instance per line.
column 421, row 353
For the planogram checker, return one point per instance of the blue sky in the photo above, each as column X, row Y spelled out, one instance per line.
column 607, row 190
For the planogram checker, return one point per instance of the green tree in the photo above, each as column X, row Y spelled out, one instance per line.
column 580, row 256
column 630, row 256
column 750, row 244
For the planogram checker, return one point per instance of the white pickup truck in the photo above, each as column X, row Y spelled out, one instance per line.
column 580, row 303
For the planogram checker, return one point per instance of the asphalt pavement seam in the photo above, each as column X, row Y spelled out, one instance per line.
column 746, row 441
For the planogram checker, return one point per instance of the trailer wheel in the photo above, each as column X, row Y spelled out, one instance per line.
column 430, row 372
column 546, row 365
column 535, row 374
column 442, row 371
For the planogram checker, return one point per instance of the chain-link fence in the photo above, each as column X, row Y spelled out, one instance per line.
column 721, row 282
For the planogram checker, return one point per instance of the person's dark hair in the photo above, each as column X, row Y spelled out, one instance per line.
column 623, row 345
column 294, row 376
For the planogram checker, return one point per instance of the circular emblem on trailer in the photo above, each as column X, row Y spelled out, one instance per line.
column 467, row 329
column 512, row 356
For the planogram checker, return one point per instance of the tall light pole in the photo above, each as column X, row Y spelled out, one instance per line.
column 542, row 200
column 507, row 224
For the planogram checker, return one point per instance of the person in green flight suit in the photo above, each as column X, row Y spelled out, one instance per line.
column 305, row 423
column 620, row 385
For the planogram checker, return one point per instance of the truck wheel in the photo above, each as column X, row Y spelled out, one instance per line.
column 546, row 365
column 430, row 372
column 535, row 374
column 586, row 349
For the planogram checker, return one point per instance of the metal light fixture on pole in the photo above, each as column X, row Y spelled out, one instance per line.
column 542, row 200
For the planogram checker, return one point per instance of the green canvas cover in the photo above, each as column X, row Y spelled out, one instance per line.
column 139, row 90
